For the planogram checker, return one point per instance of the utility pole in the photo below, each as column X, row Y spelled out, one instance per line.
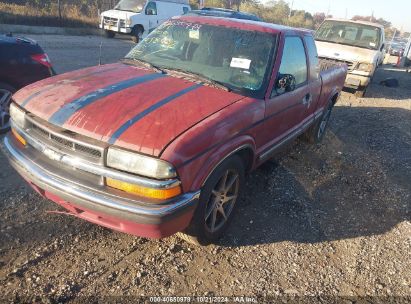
column 329, row 7
column 59, row 8
column 291, row 8
column 393, row 36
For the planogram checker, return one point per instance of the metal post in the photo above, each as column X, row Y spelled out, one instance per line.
column 407, row 51
column 59, row 7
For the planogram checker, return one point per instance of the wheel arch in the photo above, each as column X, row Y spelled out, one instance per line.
column 137, row 26
column 243, row 147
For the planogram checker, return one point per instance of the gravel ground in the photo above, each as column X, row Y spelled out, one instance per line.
column 325, row 223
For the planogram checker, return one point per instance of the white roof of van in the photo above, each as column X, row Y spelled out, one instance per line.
column 356, row 21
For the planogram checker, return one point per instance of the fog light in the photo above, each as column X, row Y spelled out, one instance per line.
column 18, row 137
column 161, row 194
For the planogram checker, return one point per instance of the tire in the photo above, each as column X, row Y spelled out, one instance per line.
column 208, row 223
column 360, row 93
column 137, row 34
column 315, row 133
column 6, row 91
column 109, row 34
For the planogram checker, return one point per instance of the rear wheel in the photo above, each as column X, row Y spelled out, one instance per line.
column 109, row 34
column 217, row 203
column 6, row 91
column 316, row 133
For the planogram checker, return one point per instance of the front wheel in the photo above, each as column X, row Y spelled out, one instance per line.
column 137, row 34
column 109, row 34
column 6, row 92
column 217, row 203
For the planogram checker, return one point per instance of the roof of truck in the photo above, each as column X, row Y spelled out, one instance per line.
column 243, row 24
column 356, row 21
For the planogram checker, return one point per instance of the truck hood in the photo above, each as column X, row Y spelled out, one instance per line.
column 124, row 105
column 346, row 52
column 118, row 14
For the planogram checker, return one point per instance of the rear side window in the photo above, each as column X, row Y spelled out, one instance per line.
column 294, row 61
column 313, row 56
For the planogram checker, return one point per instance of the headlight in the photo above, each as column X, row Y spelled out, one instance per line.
column 17, row 115
column 128, row 22
column 365, row 67
column 139, row 164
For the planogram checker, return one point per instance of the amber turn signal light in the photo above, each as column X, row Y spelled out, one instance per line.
column 18, row 137
column 161, row 194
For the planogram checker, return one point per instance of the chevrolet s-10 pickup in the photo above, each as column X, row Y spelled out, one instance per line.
column 161, row 141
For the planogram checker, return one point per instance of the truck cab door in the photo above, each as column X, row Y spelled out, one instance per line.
column 290, row 97
column 152, row 15
column 314, row 79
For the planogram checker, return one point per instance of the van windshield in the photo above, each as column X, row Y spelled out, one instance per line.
column 349, row 33
column 135, row 6
column 239, row 60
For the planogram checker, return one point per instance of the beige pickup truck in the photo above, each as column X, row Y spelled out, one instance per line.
column 359, row 44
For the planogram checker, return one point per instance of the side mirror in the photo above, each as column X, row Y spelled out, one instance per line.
column 285, row 83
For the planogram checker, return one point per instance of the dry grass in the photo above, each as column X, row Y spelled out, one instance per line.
column 72, row 15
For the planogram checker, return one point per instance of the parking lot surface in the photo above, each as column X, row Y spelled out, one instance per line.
column 329, row 220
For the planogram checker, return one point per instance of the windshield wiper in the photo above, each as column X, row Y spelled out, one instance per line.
column 146, row 64
column 202, row 78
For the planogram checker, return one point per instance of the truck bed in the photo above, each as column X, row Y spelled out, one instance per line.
column 333, row 74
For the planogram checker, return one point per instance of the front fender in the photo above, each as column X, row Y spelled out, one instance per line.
column 217, row 156
column 200, row 149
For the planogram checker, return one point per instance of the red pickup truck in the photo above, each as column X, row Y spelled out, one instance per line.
column 160, row 142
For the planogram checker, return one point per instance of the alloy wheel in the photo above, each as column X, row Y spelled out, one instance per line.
column 222, row 200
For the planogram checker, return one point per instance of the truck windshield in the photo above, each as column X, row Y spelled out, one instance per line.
column 349, row 33
column 135, row 6
column 237, row 59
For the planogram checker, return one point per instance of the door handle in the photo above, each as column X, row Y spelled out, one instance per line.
column 307, row 100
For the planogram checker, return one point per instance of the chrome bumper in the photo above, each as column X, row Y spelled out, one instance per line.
column 60, row 182
column 355, row 81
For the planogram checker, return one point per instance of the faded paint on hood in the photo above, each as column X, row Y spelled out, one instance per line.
column 347, row 52
column 124, row 105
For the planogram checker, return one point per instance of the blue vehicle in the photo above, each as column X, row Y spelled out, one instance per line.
column 224, row 13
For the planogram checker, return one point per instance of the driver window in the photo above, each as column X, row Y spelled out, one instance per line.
column 294, row 62
column 151, row 8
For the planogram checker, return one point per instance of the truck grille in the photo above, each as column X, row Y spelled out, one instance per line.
column 351, row 65
column 65, row 143
column 110, row 21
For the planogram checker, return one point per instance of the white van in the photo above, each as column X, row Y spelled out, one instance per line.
column 139, row 17
column 359, row 44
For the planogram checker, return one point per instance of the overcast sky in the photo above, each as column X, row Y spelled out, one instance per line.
column 398, row 12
